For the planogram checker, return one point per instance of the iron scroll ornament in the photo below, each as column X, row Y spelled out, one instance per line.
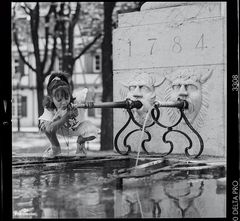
column 181, row 105
column 129, row 104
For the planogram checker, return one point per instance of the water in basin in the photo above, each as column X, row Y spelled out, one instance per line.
column 89, row 193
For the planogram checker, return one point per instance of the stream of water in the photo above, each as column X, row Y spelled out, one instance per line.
column 142, row 133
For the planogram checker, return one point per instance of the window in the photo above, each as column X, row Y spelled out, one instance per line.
column 19, row 66
column 19, row 109
column 97, row 63
column 16, row 66
column 24, row 106
column 19, row 106
column 14, row 108
column 60, row 63
column 91, row 112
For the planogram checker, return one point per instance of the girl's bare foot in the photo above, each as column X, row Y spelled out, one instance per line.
column 52, row 152
column 81, row 150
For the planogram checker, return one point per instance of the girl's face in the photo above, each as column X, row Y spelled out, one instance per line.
column 61, row 98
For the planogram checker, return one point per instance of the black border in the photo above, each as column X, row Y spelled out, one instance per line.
column 233, row 166
column 6, row 129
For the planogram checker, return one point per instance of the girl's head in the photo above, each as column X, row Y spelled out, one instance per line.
column 59, row 92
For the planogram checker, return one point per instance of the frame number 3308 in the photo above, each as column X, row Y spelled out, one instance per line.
column 235, row 83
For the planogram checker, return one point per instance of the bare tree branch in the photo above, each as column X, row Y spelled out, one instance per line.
column 18, row 48
column 72, row 24
column 61, row 12
column 69, row 10
column 14, row 10
column 76, row 15
column 47, row 40
column 61, row 27
column 88, row 46
column 25, row 7
column 34, row 22
column 47, row 19
column 54, row 49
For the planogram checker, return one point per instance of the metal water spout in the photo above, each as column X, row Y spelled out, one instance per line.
column 181, row 104
column 126, row 104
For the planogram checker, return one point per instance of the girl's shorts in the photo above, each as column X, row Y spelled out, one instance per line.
column 84, row 129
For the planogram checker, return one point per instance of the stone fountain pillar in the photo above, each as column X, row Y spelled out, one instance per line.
column 181, row 48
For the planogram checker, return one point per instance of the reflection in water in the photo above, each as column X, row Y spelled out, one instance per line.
column 156, row 211
column 86, row 194
column 37, row 209
column 127, row 204
column 183, row 195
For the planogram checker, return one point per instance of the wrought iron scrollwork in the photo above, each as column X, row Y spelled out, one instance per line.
column 198, row 135
column 131, row 117
column 155, row 114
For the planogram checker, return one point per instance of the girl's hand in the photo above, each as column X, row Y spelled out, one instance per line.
column 89, row 104
column 73, row 112
column 59, row 114
column 89, row 101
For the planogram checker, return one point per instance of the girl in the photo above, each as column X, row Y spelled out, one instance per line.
column 61, row 117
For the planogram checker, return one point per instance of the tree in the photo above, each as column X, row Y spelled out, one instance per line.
column 107, row 67
column 69, row 16
column 107, row 78
column 41, row 68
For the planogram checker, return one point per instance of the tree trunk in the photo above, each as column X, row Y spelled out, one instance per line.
column 107, row 79
column 40, row 94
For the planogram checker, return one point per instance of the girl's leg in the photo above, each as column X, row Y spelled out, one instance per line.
column 55, row 148
column 81, row 149
column 86, row 131
column 81, row 143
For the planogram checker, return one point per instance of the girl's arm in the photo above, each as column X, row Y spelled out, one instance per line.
column 53, row 126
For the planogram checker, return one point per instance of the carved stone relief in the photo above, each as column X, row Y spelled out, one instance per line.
column 189, row 84
column 141, row 87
